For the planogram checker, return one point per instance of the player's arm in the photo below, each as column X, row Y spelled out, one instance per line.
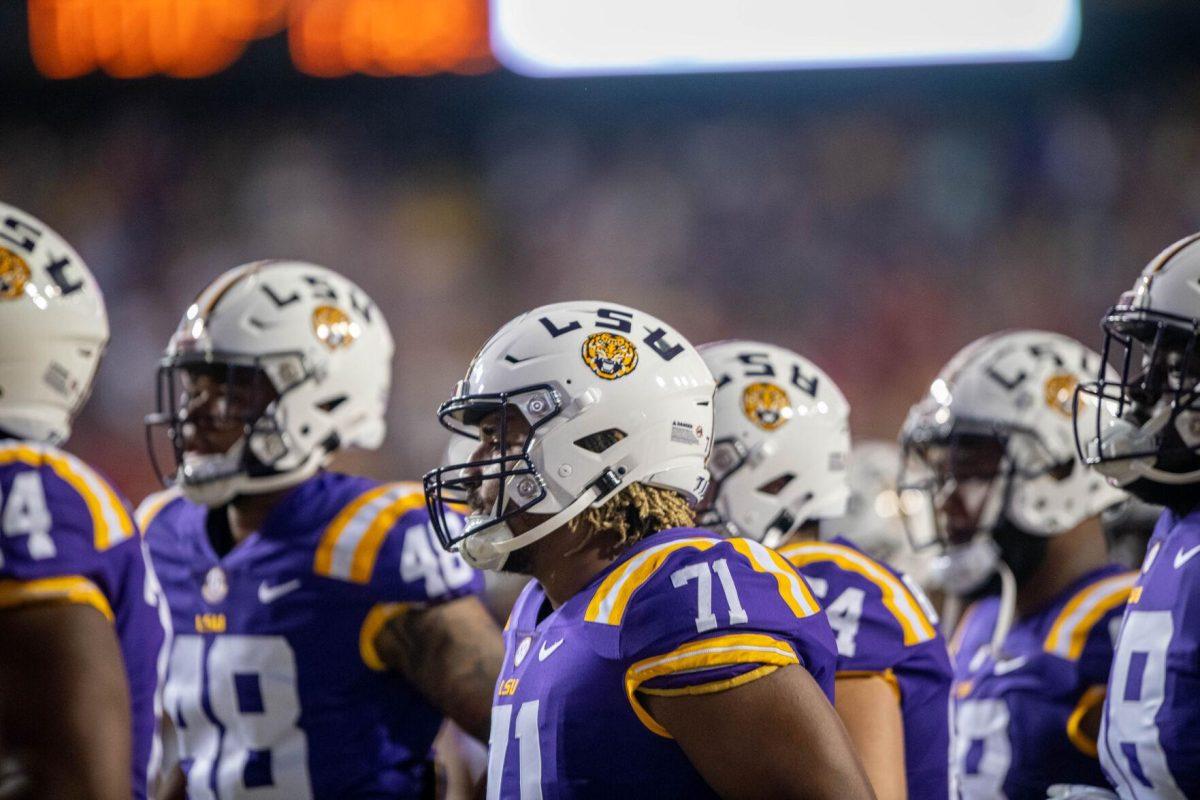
column 870, row 710
column 773, row 737
column 452, row 654
column 64, row 715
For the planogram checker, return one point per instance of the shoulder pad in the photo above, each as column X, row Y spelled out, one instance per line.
column 350, row 543
column 899, row 601
column 110, row 520
column 149, row 508
column 1071, row 628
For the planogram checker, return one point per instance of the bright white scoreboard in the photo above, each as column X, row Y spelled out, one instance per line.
column 554, row 38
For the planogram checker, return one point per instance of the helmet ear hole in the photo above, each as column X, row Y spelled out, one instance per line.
column 329, row 405
column 600, row 441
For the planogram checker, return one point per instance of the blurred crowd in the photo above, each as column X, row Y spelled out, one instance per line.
column 875, row 235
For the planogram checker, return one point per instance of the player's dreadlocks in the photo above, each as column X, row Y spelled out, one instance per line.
column 634, row 513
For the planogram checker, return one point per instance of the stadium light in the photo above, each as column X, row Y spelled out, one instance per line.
column 610, row 37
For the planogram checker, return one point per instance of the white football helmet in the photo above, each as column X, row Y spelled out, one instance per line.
column 612, row 396
column 306, row 340
column 55, row 329
column 1151, row 441
column 1012, row 392
column 878, row 515
column 781, row 443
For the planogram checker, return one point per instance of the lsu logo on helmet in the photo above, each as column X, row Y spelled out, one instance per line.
column 609, row 355
column 766, row 405
column 334, row 328
column 14, row 274
column 1059, row 392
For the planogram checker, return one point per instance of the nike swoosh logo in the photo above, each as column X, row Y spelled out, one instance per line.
column 1184, row 556
column 1010, row 665
column 545, row 652
column 269, row 594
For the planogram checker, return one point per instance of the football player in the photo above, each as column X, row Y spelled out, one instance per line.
column 80, row 634
column 1150, row 446
column 878, row 514
column 1019, row 518
column 647, row 659
column 780, row 447
column 295, row 592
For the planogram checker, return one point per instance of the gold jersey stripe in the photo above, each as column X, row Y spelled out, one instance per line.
column 351, row 542
column 792, row 586
column 379, row 616
column 719, row 651
column 1091, row 699
column 111, row 523
column 1069, row 633
column 612, row 597
column 152, row 505
column 65, row 589
column 898, row 600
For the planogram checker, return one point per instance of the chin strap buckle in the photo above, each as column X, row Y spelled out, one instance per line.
column 606, row 483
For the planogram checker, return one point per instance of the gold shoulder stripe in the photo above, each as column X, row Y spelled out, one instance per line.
column 350, row 544
column 1069, row 633
column 616, row 590
column 898, row 600
column 719, row 651
column 66, row 589
column 111, row 523
column 792, row 587
column 379, row 615
column 149, row 508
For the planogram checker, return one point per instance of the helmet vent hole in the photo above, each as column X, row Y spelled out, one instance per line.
column 600, row 441
column 777, row 485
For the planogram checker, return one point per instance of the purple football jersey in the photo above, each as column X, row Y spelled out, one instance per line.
column 681, row 612
column 885, row 626
column 67, row 536
column 1152, row 713
column 1019, row 716
column 274, row 684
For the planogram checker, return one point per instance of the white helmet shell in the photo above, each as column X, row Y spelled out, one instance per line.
column 781, row 443
column 1020, row 386
column 574, row 370
column 55, row 329
column 876, row 514
column 327, row 351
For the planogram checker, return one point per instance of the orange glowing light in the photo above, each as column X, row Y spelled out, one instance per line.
column 194, row 38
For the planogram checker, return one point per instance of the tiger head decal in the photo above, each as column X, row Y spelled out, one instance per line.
column 766, row 405
column 334, row 328
column 609, row 355
column 14, row 275
column 1059, row 393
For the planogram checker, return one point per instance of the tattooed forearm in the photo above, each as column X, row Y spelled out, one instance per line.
column 452, row 654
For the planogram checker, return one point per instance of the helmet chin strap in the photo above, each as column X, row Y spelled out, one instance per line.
column 1007, row 609
column 216, row 492
column 491, row 552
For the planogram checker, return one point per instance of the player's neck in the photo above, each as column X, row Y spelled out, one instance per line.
column 1069, row 557
column 248, row 513
column 808, row 532
column 563, row 567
